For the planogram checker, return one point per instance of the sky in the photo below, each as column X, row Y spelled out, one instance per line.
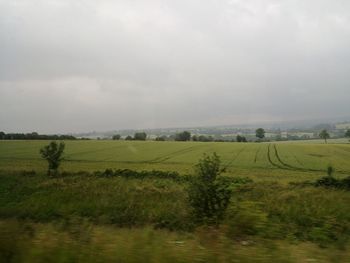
column 84, row 65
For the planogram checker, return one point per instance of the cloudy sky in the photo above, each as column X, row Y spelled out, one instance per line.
column 83, row 65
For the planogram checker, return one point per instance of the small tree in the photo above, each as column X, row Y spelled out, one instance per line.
column 161, row 138
column 128, row 138
column 260, row 133
column 116, row 137
column 330, row 170
column 324, row 135
column 209, row 194
column 53, row 154
column 347, row 133
column 240, row 138
column 140, row 136
column 183, row 136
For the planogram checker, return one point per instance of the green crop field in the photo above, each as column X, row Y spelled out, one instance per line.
column 258, row 160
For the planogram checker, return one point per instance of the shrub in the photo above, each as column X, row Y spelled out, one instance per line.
column 331, row 182
column 53, row 154
column 330, row 170
column 208, row 194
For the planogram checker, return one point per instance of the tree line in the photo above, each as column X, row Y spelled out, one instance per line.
column 34, row 136
column 181, row 136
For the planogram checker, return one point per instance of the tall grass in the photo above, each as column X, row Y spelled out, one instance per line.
column 117, row 200
column 268, row 210
column 80, row 241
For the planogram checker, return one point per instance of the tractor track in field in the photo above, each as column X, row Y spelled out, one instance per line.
column 285, row 166
column 269, row 158
column 172, row 155
column 281, row 164
column 235, row 158
column 256, row 154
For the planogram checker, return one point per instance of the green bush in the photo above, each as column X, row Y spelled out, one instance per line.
column 331, row 182
column 209, row 194
column 53, row 154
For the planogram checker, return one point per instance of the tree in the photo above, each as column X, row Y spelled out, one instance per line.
column 347, row 133
column 140, row 136
column 183, row 136
column 161, row 138
column 324, row 135
column 240, row 138
column 34, row 136
column 128, row 138
column 260, row 133
column 209, row 195
column 53, row 154
column 203, row 138
column 330, row 170
column 116, row 137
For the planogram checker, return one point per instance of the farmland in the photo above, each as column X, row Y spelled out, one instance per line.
column 258, row 160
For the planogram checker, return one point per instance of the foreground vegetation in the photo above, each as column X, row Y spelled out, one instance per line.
column 81, row 241
column 86, row 217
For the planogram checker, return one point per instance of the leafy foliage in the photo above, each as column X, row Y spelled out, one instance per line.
column 324, row 135
column 240, row 138
column 140, row 136
column 330, row 170
column 347, row 133
column 209, row 195
column 183, row 136
column 116, row 137
column 53, row 154
column 331, row 182
column 260, row 133
column 34, row 136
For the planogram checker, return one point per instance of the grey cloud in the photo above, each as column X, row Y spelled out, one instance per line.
column 133, row 64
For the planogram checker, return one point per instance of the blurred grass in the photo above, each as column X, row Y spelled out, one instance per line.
column 80, row 241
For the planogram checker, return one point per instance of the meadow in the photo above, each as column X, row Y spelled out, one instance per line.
column 290, row 161
column 84, row 216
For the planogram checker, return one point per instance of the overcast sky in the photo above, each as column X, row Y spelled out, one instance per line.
column 83, row 65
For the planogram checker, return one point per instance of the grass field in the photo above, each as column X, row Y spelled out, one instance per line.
column 258, row 160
